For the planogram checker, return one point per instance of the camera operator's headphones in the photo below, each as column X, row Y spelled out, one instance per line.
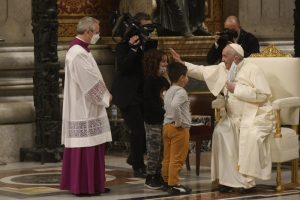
column 149, row 27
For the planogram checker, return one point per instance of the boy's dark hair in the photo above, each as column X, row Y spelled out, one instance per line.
column 175, row 70
column 151, row 61
column 141, row 16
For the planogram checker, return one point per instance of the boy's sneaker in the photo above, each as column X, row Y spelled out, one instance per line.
column 179, row 189
column 153, row 182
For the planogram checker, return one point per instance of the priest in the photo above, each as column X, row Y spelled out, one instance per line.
column 85, row 125
column 241, row 139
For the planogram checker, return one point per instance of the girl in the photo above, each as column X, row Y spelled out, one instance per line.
column 155, row 68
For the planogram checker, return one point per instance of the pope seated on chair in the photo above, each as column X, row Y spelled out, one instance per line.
column 241, row 140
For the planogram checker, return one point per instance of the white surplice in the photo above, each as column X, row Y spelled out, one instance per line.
column 85, row 121
column 240, row 144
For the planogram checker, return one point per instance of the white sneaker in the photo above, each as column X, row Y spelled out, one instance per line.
column 179, row 189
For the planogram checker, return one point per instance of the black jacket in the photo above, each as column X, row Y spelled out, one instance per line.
column 153, row 103
column 247, row 40
column 127, row 87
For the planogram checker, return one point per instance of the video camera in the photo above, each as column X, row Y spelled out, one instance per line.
column 226, row 36
column 126, row 26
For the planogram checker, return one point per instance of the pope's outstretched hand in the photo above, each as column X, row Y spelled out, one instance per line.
column 176, row 56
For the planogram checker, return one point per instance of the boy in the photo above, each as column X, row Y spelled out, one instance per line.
column 177, row 122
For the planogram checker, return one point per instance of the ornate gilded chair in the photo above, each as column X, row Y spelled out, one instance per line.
column 282, row 72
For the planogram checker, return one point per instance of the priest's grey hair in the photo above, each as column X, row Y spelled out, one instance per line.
column 86, row 24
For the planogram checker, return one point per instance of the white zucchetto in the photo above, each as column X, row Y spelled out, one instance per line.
column 238, row 48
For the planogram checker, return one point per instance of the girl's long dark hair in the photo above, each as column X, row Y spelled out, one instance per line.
column 151, row 61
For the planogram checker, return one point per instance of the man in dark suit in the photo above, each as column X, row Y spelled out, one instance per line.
column 233, row 34
column 127, row 91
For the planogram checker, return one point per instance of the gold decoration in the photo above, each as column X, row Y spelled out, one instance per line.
column 213, row 15
column 271, row 51
column 70, row 11
column 67, row 30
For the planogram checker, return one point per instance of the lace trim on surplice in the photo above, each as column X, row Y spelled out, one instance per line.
column 97, row 92
column 78, row 129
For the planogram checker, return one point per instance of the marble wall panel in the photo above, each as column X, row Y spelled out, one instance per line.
column 3, row 11
column 15, row 21
column 14, row 137
column 268, row 19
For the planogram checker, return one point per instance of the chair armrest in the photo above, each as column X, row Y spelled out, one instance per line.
column 218, row 103
column 286, row 103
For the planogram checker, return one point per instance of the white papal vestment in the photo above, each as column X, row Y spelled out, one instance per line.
column 240, row 144
column 85, row 121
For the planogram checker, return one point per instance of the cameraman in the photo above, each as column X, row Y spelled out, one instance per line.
column 127, row 88
column 233, row 33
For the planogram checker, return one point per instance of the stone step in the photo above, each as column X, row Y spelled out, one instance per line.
column 15, row 81
column 17, row 87
column 21, row 73
column 16, row 98
column 21, row 98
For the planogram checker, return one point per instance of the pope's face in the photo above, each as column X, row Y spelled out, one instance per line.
column 227, row 57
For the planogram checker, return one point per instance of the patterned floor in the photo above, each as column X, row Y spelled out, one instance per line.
column 35, row 181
